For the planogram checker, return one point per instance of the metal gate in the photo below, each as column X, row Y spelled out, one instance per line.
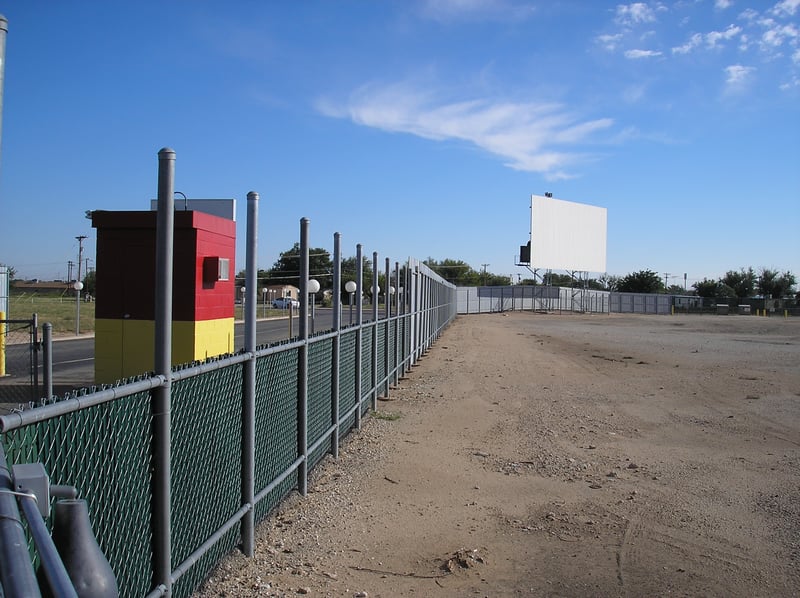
column 19, row 366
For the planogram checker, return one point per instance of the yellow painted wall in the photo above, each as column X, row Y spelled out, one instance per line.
column 124, row 348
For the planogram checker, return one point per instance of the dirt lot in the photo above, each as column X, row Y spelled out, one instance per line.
column 556, row 455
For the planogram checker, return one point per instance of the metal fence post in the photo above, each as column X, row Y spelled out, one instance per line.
column 161, row 396
column 47, row 359
column 302, row 370
column 375, row 293
column 35, row 355
column 3, row 34
column 337, row 339
column 387, row 300
column 249, row 377
column 359, row 335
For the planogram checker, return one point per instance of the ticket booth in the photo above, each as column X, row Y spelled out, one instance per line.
column 202, row 290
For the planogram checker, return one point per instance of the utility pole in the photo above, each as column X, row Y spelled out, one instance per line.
column 69, row 270
column 78, row 286
column 484, row 273
column 666, row 280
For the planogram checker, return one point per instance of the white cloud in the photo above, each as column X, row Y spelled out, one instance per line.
column 748, row 14
column 737, row 76
column 636, row 54
column 693, row 42
column 714, row 38
column 459, row 10
column 609, row 42
column 778, row 34
column 791, row 84
column 524, row 134
column 722, row 4
column 633, row 14
column 786, row 8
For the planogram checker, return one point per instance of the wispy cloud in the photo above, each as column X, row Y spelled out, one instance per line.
column 714, row 38
column 468, row 10
column 778, row 34
column 738, row 76
column 629, row 15
column 694, row 41
column 786, row 8
column 610, row 41
column 527, row 135
column 723, row 4
column 637, row 54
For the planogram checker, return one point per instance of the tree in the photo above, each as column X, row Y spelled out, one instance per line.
column 774, row 285
column 350, row 272
column 457, row 272
column 90, row 282
column 610, row 281
column 675, row 289
column 286, row 270
column 12, row 272
column 705, row 288
column 557, row 280
column 742, row 282
column 643, row 281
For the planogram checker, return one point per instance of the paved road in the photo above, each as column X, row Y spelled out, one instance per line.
column 73, row 359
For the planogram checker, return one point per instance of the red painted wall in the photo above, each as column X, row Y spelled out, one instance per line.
column 126, row 253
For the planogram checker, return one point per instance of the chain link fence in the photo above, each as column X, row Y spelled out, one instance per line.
column 18, row 363
column 101, row 439
column 479, row 300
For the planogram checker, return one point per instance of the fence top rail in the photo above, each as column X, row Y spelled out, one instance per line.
column 19, row 419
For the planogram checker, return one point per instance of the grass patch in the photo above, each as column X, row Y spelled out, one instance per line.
column 386, row 415
column 61, row 311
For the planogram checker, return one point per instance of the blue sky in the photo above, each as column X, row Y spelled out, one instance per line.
column 416, row 128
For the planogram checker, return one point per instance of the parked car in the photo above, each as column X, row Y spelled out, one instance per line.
column 285, row 303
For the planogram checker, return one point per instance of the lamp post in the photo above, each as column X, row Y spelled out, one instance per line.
column 264, row 292
column 78, row 286
column 243, row 290
column 350, row 287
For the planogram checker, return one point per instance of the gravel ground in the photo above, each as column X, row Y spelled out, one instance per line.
column 558, row 455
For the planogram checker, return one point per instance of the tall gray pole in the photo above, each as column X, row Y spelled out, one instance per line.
column 359, row 331
column 387, row 299
column 3, row 34
column 302, row 382
column 375, row 293
column 337, row 324
column 78, row 286
column 249, row 403
column 47, row 365
column 397, row 288
column 161, row 398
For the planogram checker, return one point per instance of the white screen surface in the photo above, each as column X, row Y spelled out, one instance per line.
column 567, row 235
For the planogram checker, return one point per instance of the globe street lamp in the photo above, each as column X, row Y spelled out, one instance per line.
column 264, row 292
column 313, row 289
column 78, row 286
column 350, row 287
